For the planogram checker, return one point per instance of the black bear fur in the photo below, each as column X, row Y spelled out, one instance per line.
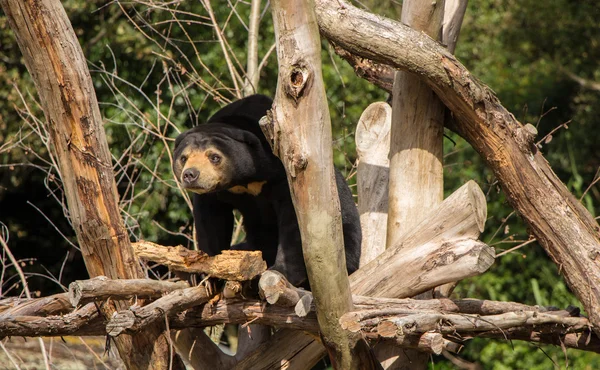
column 229, row 165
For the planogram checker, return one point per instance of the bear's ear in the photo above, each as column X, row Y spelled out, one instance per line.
column 180, row 138
column 252, row 107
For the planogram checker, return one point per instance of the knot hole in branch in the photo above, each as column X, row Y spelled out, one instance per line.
column 298, row 81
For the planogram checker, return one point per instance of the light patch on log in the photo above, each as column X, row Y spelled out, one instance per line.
column 372, row 146
column 229, row 265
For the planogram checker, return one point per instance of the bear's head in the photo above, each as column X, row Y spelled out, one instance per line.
column 227, row 153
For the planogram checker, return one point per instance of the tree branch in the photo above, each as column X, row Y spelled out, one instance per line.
column 102, row 288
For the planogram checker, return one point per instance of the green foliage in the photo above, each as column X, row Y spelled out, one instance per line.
column 160, row 69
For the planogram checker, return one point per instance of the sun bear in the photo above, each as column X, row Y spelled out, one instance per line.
column 228, row 164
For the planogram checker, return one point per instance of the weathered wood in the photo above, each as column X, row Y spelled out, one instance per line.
column 427, row 342
column 456, row 222
column 372, row 177
column 136, row 318
column 53, row 305
column 416, row 146
column 275, row 289
column 84, row 321
column 229, row 265
column 300, row 130
column 289, row 340
column 102, row 288
column 59, row 70
column 422, row 269
column 575, row 334
column 454, row 12
column 461, row 215
column 420, row 323
column 561, row 224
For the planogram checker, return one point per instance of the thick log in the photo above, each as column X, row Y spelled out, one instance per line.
column 102, row 288
column 59, row 70
column 416, row 145
column 136, row 318
column 300, row 132
column 461, row 215
column 433, row 264
column 372, row 177
column 229, row 265
column 561, row 224
column 288, row 339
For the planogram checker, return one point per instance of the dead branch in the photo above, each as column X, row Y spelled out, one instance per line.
column 102, row 288
column 53, row 305
column 229, row 265
column 136, row 318
column 407, row 323
column 81, row 322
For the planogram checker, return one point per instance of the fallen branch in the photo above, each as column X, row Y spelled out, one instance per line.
column 136, row 318
column 102, row 288
column 229, row 265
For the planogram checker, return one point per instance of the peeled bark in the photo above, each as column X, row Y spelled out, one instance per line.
column 59, row 70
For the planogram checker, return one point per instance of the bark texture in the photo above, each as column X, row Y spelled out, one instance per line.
column 59, row 69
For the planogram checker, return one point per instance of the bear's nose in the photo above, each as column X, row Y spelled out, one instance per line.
column 190, row 175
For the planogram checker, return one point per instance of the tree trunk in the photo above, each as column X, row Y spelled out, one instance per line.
column 416, row 157
column 561, row 224
column 59, row 69
column 301, row 130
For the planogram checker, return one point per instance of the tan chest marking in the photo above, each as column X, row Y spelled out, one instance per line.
column 253, row 188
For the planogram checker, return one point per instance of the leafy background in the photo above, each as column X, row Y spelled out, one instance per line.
column 159, row 68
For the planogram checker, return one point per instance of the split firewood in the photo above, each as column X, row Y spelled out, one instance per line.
column 229, row 265
column 102, row 288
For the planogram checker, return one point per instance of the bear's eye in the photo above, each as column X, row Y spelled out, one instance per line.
column 215, row 158
column 183, row 159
